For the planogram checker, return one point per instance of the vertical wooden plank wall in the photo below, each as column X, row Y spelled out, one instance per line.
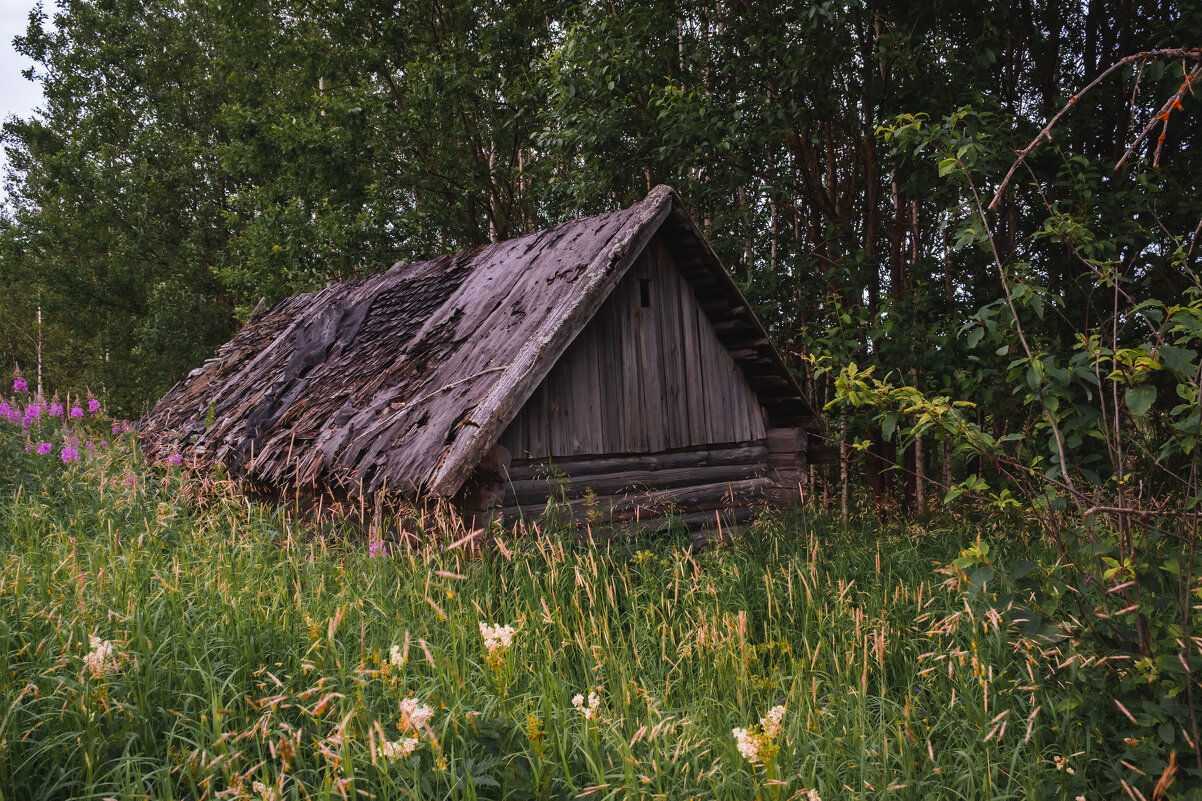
column 640, row 379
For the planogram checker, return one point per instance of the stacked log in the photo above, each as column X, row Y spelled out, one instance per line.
column 692, row 485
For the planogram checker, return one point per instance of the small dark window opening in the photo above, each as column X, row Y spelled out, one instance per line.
column 645, row 293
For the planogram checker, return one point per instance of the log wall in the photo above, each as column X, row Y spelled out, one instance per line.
column 648, row 374
column 693, row 484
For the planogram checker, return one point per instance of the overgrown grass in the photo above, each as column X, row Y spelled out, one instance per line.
column 253, row 659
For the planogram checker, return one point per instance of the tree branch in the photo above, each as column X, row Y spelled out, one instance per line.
column 1046, row 133
column 1162, row 116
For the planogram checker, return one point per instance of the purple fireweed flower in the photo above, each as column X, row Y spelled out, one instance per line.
column 93, row 406
column 377, row 549
column 116, row 428
column 44, row 448
column 56, row 410
column 70, row 455
column 19, row 385
column 104, row 443
column 130, row 481
column 76, row 413
column 175, row 459
column 32, row 413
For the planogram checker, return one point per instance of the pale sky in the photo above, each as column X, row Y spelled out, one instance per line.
column 17, row 95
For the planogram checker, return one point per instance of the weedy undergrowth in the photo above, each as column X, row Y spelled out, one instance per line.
column 154, row 647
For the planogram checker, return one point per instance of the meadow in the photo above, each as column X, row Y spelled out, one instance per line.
column 164, row 637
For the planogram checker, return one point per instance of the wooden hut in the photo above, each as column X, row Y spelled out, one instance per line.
column 610, row 363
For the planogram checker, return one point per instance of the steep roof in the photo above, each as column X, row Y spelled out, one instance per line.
column 404, row 379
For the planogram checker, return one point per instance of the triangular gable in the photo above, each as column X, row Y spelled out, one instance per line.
column 482, row 430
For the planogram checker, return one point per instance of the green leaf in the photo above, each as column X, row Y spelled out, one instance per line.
column 946, row 166
column 1021, row 569
column 1033, row 377
column 1179, row 360
column 1140, row 399
column 982, row 575
column 888, row 426
column 975, row 336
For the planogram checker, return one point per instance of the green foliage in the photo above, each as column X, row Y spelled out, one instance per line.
column 1146, row 717
column 250, row 647
column 1101, row 441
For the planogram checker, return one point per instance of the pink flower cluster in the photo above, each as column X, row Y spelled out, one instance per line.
column 36, row 412
column 56, row 410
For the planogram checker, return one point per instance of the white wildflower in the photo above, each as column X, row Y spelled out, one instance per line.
column 415, row 715
column 395, row 658
column 771, row 723
column 100, row 659
column 812, row 795
column 496, row 638
column 758, row 744
column 265, row 791
column 589, row 711
column 748, row 744
column 399, row 749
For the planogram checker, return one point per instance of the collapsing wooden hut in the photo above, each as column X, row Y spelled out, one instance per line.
column 610, row 363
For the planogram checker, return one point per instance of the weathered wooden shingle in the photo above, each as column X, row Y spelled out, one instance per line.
column 404, row 379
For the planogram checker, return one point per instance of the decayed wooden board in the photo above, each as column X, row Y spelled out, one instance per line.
column 667, row 313
column 655, row 412
column 690, row 349
column 586, row 393
column 613, row 399
column 631, row 413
